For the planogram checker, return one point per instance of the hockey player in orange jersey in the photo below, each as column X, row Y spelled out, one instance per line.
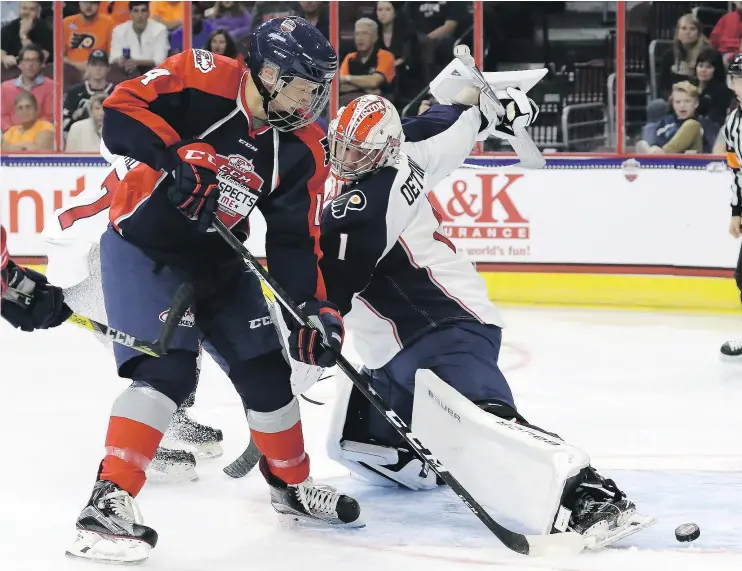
column 203, row 137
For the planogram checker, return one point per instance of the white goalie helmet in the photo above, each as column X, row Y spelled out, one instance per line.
column 365, row 135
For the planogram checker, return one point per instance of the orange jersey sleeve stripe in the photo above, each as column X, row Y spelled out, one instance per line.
column 311, row 136
column 732, row 160
column 137, row 185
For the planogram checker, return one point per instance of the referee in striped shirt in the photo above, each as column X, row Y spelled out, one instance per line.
column 733, row 135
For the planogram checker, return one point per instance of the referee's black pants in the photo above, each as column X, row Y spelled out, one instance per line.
column 738, row 272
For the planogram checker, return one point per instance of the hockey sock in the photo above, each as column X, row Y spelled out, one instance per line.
column 139, row 418
column 278, row 435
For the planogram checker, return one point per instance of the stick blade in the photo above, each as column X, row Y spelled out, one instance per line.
column 244, row 463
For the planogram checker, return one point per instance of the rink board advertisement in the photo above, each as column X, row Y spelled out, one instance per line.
column 581, row 215
column 645, row 216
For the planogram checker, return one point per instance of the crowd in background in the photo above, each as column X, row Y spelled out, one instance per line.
column 389, row 48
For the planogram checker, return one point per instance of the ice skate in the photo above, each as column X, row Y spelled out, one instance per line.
column 601, row 512
column 205, row 440
column 312, row 502
column 732, row 350
column 110, row 528
column 170, row 465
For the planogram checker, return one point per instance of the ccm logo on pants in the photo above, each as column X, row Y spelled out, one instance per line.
column 260, row 321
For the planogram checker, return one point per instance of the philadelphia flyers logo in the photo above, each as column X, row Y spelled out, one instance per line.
column 82, row 40
column 353, row 200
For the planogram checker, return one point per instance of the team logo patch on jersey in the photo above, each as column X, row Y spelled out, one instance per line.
column 82, row 40
column 353, row 200
column 188, row 319
column 203, row 61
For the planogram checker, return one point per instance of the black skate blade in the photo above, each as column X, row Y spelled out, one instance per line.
column 244, row 463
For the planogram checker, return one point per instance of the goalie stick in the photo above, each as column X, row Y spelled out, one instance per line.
column 181, row 300
column 539, row 545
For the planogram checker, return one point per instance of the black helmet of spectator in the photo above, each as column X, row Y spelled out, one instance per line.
column 98, row 57
column 230, row 48
column 735, row 66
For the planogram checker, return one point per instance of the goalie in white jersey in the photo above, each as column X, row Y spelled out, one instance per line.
column 421, row 318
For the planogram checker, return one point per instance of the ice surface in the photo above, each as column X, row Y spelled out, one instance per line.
column 644, row 393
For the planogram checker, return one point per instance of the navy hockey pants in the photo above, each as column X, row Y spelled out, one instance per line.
column 232, row 320
column 463, row 355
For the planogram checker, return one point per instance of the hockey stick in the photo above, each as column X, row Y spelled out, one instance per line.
column 560, row 543
column 181, row 301
column 529, row 154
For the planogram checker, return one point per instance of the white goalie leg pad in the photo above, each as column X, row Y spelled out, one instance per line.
column 353, row 455
column 514, row 471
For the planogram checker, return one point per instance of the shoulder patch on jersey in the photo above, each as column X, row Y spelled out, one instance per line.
column 353, row 200
column 203, row 61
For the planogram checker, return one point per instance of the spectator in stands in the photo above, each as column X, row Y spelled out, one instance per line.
column 118, row 11
column 234, row 17
column 679, row 131
column 170, row 14
column 84, row 32
column 678, row 63
column 201, row 29
column 316, row 14
column 220, row 42
column 401, row 41
column 369, row 70
column 76, row 99
column 264, row 11
column 727, row 32
column 438, row 23
column 715, row 96
column 139, row 44
column 31, row 80
column 29, row 133
column 28, row 29
column 84, row 136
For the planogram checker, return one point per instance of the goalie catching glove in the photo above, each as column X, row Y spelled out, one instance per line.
column 320, row 343
column 520, row 111
column 195, row 192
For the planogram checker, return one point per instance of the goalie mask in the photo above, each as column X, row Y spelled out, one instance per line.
column 366, row 135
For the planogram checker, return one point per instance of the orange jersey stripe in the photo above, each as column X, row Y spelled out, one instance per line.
column 311, row 136
column 138, row 184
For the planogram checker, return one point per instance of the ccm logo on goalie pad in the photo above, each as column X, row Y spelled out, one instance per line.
column 444, row 406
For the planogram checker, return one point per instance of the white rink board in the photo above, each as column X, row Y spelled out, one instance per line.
column 653, row 216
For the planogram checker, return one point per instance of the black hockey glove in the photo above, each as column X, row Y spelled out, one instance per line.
column 40, row 305
column 306, row 343
column 195, row 191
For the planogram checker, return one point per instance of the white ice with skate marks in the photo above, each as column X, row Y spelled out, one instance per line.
column 645, row 394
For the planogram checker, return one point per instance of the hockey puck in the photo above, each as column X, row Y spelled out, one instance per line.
column 687, row 532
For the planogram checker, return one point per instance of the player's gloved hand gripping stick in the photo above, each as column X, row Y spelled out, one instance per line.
column 560, row 543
